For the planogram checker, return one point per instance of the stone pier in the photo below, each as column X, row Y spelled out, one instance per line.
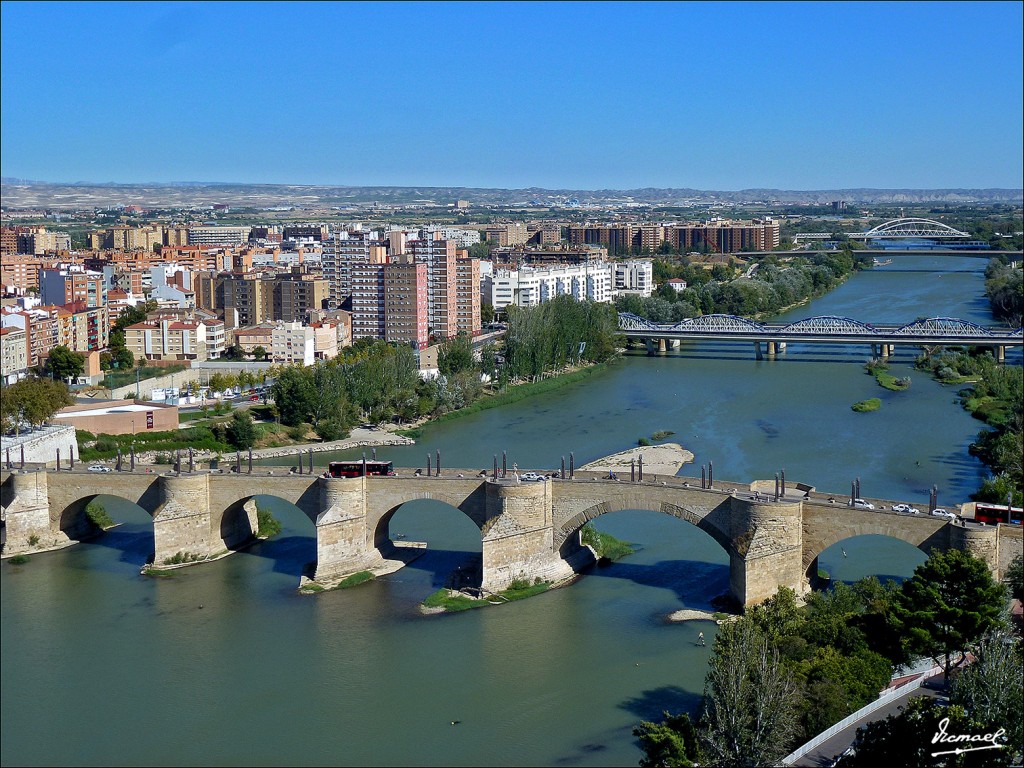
column 528, row 530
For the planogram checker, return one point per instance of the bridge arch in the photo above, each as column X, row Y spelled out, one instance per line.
column 898, row 560
column 719, row 322
column 914, row 227
column 73, row 520
column 566, row 537
column 828, row 324
column 824, row 528
column 942, row 326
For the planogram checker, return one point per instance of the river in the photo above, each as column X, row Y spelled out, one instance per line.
column 225, row 663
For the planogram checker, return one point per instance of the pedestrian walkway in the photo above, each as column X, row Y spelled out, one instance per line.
column 826, row 752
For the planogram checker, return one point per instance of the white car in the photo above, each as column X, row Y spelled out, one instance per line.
column 905, row 508
column 532, row 477
column 100, row 468
column 861, row 504
column 943, row 513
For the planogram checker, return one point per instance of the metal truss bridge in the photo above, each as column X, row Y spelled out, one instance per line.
column 897, row 229
column 825, row 329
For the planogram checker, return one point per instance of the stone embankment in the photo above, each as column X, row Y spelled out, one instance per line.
column 360, row 438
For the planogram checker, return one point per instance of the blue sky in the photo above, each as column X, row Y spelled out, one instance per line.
column 581, row 95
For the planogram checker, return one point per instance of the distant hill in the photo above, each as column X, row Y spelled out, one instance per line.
column 23, row 193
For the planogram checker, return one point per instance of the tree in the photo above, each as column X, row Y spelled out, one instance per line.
column 1015, row 577
column 33, row 400
column 672, row 743
column 486, row 313
column 749, row 699
column 241, row 431
column 64, row 364
column 949, row 602
column 293, row 395
column 259, row 353
column 907, row 739
column 991, row 688
column 455, row 355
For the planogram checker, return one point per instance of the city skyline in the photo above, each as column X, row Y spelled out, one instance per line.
column 711, row 96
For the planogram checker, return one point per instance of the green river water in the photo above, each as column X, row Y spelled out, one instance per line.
column 225, row 663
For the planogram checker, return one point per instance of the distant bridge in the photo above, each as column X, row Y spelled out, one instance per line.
column 897, row 229
column 824, row 329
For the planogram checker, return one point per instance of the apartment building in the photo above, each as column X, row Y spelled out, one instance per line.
column 633, row 276
column 41, row 331
column 81, row 328
column 171, row 338
column 72, row 284
column 507, row 234
column 530, row 286
column 343, row 250
column 209, row 235
column 124, row 238
column 292, row 344
column 19, row 273
column 467, row 296
column 295, row 294
column 367, row 290
column 14, row 358
column 442, row 283
column 714, row 235
column 37, row 241
column 463, row 238
column 406, row 304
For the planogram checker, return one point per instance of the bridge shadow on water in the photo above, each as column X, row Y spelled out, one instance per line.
column 134, row 541
column 293, row 555
column 695, row 583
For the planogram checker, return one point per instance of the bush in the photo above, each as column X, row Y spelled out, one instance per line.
column 267, row 524
column 643, row 441
column 98, row 515
column 864, row 406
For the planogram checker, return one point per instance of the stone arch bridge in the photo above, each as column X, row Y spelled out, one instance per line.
column 528, row 530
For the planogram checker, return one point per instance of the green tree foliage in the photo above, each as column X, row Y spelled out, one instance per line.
column 1004, row 286
column 259, row 353
column 672, row 743
column 32, row 401
column 774, row 286
column 907, row 740
column 991, row 688
column 456, row 355
column 750, row 707
column 548, row 336
column 241, row 430
column 63, row 364
column 950, row 601
column 293, row 395
column 1015, row 578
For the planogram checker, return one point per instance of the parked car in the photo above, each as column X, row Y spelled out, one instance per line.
column 532, row 477
column 939, row 512
column 861, row 504
column 100, row 468
column 905, row 508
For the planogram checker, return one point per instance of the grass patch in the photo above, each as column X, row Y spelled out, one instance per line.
column 451, row 602
column 180, row 558
column 266, row 524
column 824, row 575
column 98, row 515
column 413, row 433
column 662, row 434
column 311, row 588
column 643, row 441
column 606, row 545
column 18, row 560
column 864, row 406
column 355, row 579
column 158, row 573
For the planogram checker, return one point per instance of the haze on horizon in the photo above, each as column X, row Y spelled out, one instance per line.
column 587, row 96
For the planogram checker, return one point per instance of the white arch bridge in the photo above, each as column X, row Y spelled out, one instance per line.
column 824, row 329
column 898, row 229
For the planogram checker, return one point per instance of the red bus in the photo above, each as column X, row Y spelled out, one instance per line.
column 998, row 513
column 355, row 468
